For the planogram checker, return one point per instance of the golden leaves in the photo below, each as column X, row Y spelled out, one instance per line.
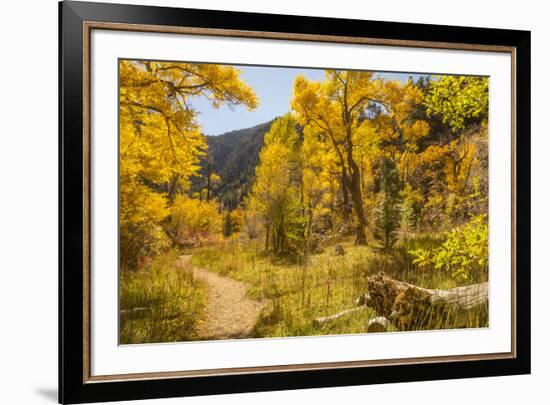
column 160, row 139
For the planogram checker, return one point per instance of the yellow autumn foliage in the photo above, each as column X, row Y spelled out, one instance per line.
column 161, row 142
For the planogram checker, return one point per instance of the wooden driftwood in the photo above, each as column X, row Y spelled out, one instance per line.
column 411, row 307
column 133, row 313
column 378, row 324
column 325, row 319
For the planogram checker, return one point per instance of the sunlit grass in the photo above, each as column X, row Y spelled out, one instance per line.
column 297, row 292
column 164, row 303
column 160, row 303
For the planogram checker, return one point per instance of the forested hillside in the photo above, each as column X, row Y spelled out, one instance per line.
column 233, row 157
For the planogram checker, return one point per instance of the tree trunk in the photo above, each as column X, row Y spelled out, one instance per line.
column 345, row 196
column 173, row 187
column 208, row 179
column 354, row 172
column 267, row 237
column 209, row 173
column 357, row 199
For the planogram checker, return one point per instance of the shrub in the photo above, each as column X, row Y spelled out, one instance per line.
column 192, row 220
column 141, row 213
column 464, row 253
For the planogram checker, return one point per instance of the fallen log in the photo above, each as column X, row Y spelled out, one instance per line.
column 325, row 319
column 133, row 313
column 410, row 307
column 378, row 324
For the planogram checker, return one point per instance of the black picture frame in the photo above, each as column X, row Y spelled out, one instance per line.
column 73, row 387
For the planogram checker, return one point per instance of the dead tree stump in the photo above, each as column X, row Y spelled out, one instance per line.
column 339, row 250
column 382, row 292
column 409, row 307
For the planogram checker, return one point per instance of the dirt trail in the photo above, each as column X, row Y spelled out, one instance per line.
column 229, row 313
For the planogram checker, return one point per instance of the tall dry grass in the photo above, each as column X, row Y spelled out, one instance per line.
column 297, row 292
column 160, row 302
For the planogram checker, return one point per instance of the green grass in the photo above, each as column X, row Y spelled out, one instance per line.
column 163, row 303
column 160, row 303
column 298, row 292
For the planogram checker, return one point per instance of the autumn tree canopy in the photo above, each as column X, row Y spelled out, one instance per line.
column 354, row 112
column 356, row 153
column 161, row 142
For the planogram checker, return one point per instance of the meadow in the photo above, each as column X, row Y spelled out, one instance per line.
column 296, row 292
column 293, row 292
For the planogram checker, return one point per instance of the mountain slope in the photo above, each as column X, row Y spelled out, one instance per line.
column 234, row 156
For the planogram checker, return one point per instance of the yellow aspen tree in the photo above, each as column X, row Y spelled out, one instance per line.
column 161, row 141
column 275, row 194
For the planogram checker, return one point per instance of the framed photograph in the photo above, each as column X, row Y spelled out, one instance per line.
column 253, row 202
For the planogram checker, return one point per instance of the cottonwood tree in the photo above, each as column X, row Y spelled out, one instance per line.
column 161, row 141
column 334, row 108
column 354, row 112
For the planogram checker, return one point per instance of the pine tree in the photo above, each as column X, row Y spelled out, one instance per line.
column 388, row 213
column 411, row 208
column 228, row 225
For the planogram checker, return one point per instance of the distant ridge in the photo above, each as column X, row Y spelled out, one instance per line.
column 234, row 156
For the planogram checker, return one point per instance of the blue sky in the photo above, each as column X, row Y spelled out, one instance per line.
column 273, row 86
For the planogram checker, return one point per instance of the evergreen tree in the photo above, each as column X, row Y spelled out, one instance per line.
column 228, row 225
column 388, row 213
column 411, row 208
